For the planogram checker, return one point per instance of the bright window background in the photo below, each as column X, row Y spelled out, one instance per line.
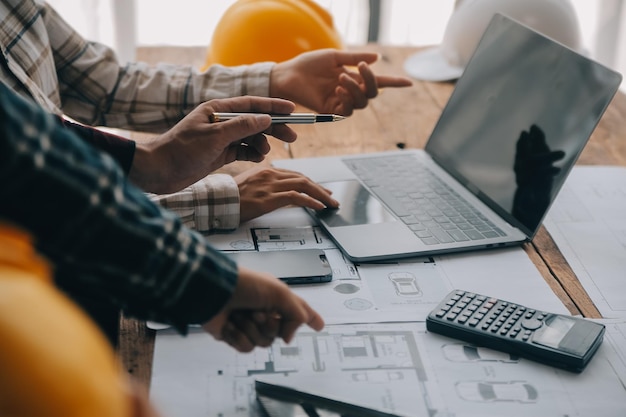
column 125, row 24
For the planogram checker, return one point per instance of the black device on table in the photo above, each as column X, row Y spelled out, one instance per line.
column 298, row 266
column 554, row 339
column 277, row 400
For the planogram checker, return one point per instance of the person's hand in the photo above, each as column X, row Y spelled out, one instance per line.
column 196, row 147
column 321, row 80
column 261, row 309
column 263, row 189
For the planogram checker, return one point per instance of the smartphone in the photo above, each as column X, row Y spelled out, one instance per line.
column 299, row 266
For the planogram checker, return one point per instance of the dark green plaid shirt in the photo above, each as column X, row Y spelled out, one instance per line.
column 104, row 237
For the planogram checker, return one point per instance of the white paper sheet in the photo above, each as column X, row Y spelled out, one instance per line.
column 588, row 224
column 406, row 290
column 393, row 366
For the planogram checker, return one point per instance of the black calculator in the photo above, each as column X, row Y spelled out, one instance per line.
column 555, row 339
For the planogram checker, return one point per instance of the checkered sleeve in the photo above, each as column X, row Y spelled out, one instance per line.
column 104, row 237
column 97, row 90
column 209, row 205
column 119, row 148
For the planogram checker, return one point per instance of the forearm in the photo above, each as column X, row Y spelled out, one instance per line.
column 97, row 90
column 119, row 148
column 104, row 235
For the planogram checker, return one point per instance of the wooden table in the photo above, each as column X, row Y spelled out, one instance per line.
column 376, row 128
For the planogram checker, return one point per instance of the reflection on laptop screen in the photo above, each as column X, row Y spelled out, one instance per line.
column 515, row 144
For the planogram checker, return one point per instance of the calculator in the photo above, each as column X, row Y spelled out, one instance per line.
column 555, row 339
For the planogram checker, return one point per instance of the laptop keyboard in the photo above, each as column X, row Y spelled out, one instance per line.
column 429, row 207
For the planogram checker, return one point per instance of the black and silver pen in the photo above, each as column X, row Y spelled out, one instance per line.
column 295, row 118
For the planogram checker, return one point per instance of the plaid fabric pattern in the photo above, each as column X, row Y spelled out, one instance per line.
column 45, row 59
column 121, row 149
column 104, row 237
column 211, row 204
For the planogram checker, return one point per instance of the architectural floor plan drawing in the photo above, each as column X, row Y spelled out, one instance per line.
column 399, row 291
column 375, row 351
column 393, row 367
column 379, row 293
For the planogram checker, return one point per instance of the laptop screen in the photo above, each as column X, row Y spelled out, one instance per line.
column 518, row 119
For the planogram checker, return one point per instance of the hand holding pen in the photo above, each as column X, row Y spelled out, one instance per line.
column 293, row 118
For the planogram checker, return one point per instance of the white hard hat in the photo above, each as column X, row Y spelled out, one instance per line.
column 554, row 18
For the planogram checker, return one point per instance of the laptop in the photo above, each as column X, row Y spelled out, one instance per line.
column 515, row 124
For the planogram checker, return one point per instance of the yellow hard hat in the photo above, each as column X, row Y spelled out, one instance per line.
column 54, row 361
column 270, row 30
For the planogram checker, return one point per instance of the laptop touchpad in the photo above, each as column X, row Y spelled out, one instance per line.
column 356, row 206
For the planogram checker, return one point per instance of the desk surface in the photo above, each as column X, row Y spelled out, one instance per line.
column 375, row 129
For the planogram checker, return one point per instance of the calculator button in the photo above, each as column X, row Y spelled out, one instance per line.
column 531, row 324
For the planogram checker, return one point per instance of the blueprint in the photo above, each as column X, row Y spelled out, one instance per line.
column 375, row 350
column 588, row 224
column 405, row 290
column 395, row 367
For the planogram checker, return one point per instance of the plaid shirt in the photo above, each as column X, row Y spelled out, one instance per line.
column 104, row 237
column 206, row 206
column 43, row 58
